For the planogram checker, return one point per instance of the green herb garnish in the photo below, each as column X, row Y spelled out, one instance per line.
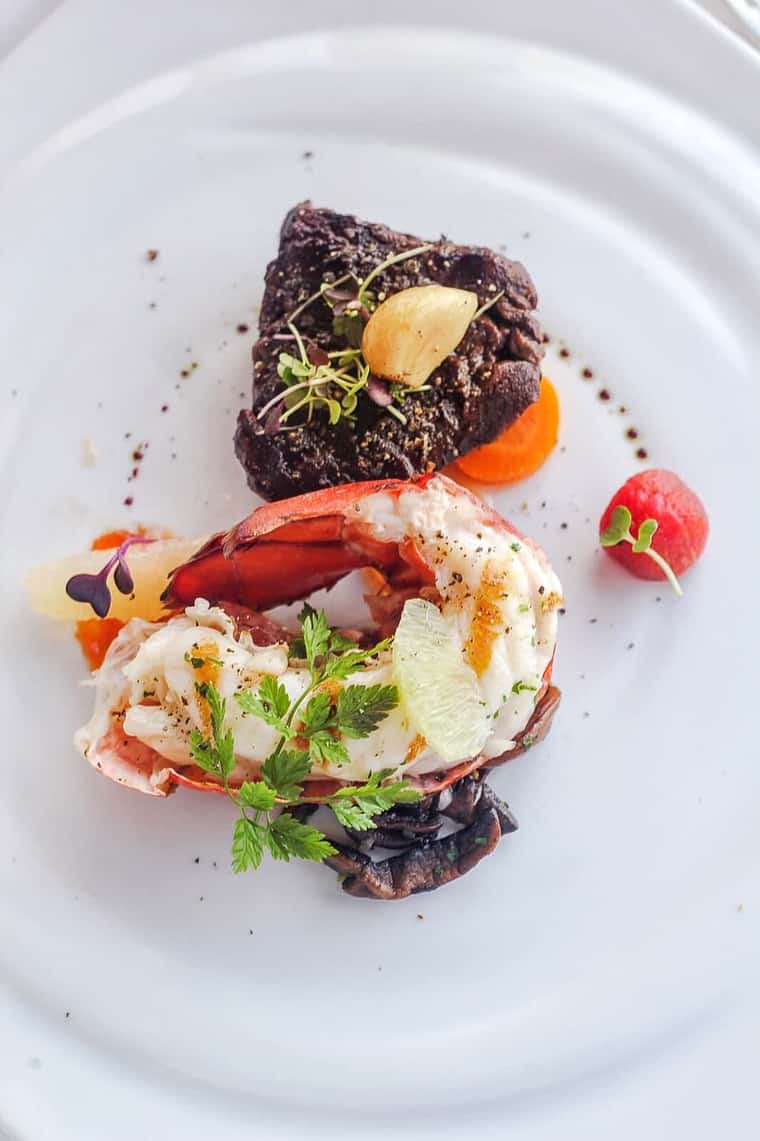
column 619, row 531
column 318, row 381
column 312, row 731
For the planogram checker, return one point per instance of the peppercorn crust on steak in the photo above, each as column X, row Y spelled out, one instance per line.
column 489, row 379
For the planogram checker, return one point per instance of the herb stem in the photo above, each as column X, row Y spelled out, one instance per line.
column 666, row 569
column 299, row 341
column 316, row 296
column 281, row 396
column 396, row 259
column 288, row 718
column 487, row 305
column 661, row 563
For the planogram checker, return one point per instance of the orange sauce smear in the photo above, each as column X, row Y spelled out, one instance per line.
column 207, row 670
column 417, row 745
column 487, row 625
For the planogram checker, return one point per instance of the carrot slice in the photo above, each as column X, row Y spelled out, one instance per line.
column 522, row 447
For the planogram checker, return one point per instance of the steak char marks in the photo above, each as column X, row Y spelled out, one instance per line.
column 492, row 376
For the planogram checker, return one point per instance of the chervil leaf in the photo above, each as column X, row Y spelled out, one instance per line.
column 316, row 634
column 356, row 805
column 273, row 693
column 361, row 708
column 348, row 662
column 247, row 845
column 204, row 753
column 352, row 816
column 286, row 837
column 353, row 660
column 216, row 705
column 372, row 784
column 618, row 529
column 285, row 771
column 644, row 539
column 339, row 643
column 402, row 792
column 270, row 703
column 374, row 803
column 257, row 794
column 225, row 751
column 323, row 747
column 317, row 714
column 297, row 649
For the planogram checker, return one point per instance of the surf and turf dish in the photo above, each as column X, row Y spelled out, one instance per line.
column 381, row 355
column 380, row 359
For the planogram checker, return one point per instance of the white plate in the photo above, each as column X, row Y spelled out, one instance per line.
column 605, row 935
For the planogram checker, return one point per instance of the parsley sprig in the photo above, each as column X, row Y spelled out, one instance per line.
column 311, row 729
column 619, row 531
column 316, row 380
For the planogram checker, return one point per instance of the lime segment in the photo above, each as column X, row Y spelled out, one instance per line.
column 439, row 691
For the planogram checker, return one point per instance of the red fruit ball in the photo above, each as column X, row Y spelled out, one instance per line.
column 682, row 528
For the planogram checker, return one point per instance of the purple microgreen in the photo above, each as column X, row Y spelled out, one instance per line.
column 319, row 293
column 122, row 578
column 619, row 531
column 339, row 298
column 317, row 355
column 378, row 391
column 93, row 588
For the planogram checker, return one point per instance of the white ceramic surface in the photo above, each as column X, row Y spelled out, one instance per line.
column 604, row 937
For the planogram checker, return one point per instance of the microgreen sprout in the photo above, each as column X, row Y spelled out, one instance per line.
column 93, row 588
column 316, row 380
column 619, row 531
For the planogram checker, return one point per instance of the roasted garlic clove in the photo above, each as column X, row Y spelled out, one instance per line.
column 408, row 336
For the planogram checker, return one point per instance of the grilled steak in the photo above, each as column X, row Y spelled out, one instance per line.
column 491, row 377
